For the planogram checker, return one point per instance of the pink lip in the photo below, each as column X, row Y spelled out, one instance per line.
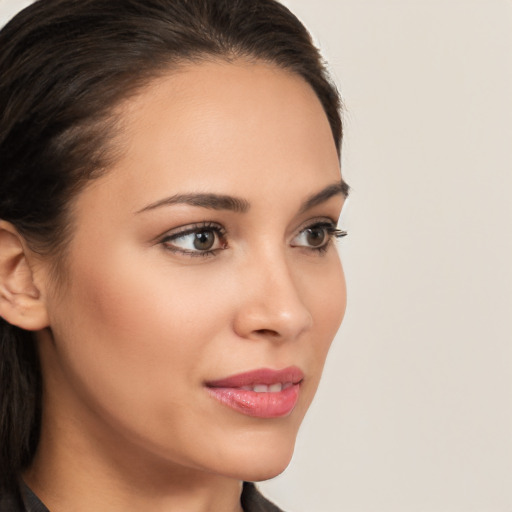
column 231, row 391
column 261, row 376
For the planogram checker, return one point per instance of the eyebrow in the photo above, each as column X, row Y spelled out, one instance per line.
column 340, row 188
column 239, row 205
column 210, row 201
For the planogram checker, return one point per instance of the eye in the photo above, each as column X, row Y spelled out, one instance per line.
column 198, row 240
column 317, row 236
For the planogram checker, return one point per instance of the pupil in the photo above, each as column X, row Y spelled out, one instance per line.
column 204, row 240
column 316, row 236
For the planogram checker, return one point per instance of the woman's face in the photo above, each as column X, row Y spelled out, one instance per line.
column 200, row 267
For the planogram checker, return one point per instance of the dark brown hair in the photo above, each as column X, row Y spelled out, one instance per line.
column 64, row 67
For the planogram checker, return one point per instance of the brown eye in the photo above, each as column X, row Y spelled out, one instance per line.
column 204, row 240
column 316, row 236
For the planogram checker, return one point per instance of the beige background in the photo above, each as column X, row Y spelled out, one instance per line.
column 414, row 413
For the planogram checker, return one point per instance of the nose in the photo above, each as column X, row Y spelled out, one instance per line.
column 271, row 304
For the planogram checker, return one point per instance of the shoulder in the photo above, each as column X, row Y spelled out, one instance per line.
column 253, row 501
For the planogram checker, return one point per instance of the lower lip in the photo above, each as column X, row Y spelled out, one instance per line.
column 259, row 405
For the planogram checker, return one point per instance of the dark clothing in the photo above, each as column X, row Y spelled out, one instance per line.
column 253, row 501
column 27, row 501
column 22, row 501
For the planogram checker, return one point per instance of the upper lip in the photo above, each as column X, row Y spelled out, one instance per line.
column 266, row 376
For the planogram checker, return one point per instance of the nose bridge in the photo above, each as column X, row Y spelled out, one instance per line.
column 272, row 303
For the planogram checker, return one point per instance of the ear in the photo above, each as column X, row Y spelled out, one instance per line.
column 21, row 301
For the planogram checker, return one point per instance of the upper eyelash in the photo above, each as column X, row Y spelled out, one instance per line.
column 194, row 228
column 330, row 226
column 332, row 231
column 339, row 233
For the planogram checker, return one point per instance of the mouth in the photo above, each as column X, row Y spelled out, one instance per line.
column 262, row 393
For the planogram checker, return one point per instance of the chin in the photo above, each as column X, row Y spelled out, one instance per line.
column 259, row 474
column 262, row 450
column 260, row 469
column 261, row 458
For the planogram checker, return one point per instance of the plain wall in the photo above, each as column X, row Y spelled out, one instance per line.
column 414, row 412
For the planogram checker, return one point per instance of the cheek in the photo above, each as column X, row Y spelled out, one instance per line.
column 136, row 313
column 327, row 298
column 129, row 330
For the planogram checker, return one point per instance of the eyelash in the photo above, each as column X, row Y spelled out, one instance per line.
column 331, row 231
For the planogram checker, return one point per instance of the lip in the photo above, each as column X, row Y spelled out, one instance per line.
column 234, row 391
column 264, row 376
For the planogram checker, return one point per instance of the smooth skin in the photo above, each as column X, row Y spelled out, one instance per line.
column 144, row 316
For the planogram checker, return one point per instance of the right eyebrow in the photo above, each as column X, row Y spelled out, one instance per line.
column 210, row 201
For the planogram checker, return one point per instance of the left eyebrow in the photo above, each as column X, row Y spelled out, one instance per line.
column 340, row 188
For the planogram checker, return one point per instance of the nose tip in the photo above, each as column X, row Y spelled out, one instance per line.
column 272, row 308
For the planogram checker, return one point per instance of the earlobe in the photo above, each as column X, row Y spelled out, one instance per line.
column 21, row 301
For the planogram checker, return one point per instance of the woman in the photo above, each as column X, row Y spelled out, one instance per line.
column 169, row 287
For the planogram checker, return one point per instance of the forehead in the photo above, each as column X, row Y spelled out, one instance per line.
column 220, row 127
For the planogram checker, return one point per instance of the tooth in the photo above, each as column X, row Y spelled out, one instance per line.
column 260, row 388
column 275, row 388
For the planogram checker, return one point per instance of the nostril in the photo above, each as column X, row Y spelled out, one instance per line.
column 267, row 332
